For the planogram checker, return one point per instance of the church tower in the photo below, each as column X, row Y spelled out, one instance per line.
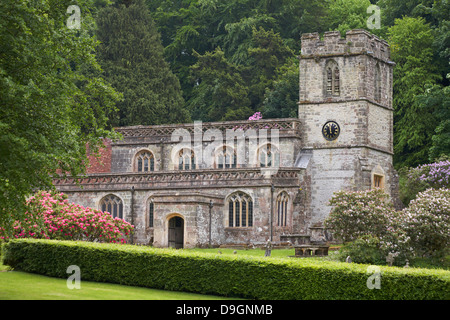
column 346, row 113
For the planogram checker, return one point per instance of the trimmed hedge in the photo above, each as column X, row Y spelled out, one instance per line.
column 206, row 273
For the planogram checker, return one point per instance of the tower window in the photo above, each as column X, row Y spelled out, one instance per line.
column 378, row 181
column 151, row 207
column 332, row 79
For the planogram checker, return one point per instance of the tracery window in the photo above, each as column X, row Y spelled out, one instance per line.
column 269, row 156
column 332, row 79
column 145, row 161
column 186, row 159
column 240, row 210
column 113, row 205
column 225, row 158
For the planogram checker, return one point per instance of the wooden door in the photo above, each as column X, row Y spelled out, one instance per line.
column 176, row 232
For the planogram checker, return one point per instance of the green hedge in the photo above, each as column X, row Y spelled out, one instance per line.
column 248, row 277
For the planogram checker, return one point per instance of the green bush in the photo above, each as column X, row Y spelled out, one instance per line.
column 363, row 250
column 228, row 275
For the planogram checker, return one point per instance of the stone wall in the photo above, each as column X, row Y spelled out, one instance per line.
column 194, row 208
column 364, row 147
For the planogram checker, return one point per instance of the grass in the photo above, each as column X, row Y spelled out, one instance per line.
column 276, row 253
column 16, row 285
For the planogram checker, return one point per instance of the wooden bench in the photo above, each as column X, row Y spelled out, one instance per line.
column 311, row 250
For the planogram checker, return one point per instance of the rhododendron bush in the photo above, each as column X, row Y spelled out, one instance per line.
column 359, row 213
column 414, row 180
column 51, row 216
column 421, row 229
column 427, row 221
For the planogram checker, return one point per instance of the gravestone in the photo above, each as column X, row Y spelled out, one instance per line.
column 390, row 259
column 268, row 249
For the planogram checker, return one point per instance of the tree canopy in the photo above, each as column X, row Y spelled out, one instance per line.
column 131, row 55
column 170, row 61
column 54, row 101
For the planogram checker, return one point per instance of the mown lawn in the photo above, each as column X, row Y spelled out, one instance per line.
column 16, row 285
column 276, row 253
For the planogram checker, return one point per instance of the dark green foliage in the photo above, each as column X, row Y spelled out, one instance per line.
column 363, row 250
column 131, row 55
column 436, row 100
column 257, row 35
column 281, row 101
column 220, row 90
column 248, row 277
column 411, row 41
column 53, row 100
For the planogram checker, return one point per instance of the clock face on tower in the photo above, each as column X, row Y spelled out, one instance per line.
column 330, row 130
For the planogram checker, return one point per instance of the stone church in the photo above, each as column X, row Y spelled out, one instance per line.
column 185, row 185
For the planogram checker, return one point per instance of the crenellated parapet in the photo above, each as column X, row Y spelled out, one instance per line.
column 357, row 41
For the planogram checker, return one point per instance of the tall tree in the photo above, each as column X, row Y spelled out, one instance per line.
column 345, row 15
column 436, row 99
column 281, row 101
column 220, row 92
column 411, row 42
column 131, row 55
column 266, row 57
column 202, row 26
column 51, row 106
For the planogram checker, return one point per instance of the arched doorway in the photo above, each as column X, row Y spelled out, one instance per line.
column 176, row 232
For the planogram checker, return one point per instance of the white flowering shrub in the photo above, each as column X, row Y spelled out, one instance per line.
column 369, row 220
column 427, row 221
column 359, row 213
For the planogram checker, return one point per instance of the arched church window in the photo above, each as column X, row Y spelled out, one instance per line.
column 145, row 162
column 240, row 210
column 113, row 205
column 332, row 85
column 186, row 159
column 282, row 203
column 269, row 156
column 225, row 158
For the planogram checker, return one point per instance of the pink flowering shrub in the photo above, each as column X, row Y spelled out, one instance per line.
column 427, row 221
column 51, row 216
column 256, row 116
